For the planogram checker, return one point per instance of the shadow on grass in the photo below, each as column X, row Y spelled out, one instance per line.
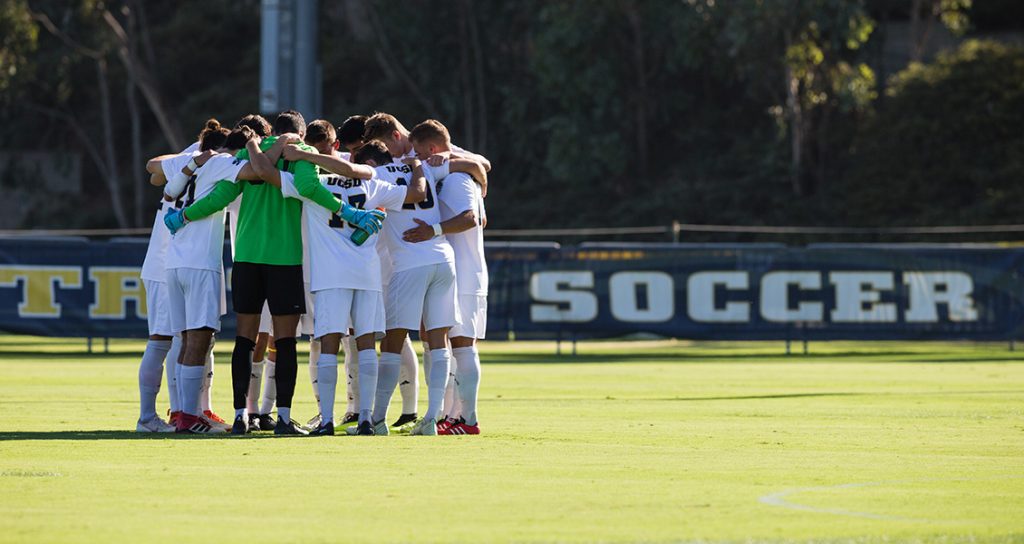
column 845, row 357
column 119, row 435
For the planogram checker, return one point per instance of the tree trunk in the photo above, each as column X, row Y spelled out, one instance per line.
column 478, row 73
column 465, row 83
column 640, row 71
column 794, row 110
column 113, row 179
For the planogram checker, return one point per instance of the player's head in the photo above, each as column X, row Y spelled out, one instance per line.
column 237, row 138
column 320, row 134
column 289, row 121
column 429, row 137
column 387, row 129
column 257, row 123
column 350, row 133
column 373, row 153
column 212, row 136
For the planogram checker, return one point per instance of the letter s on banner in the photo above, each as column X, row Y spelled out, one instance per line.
column 569, row 305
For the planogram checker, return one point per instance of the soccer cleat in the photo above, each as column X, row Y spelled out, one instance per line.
column 350, row 418
column 216, row 420
column 445, row 423
column 241, row 425
column 380, row 429
column 154, row 425
column 314, row 422
column 254, row 422
column 460, row 427
column 425, row 427
column 324, row 429
column 404, row 420
column 173, row 417
column 188, row 423
column 365, row 429
column 287, row 428
column 266, row 422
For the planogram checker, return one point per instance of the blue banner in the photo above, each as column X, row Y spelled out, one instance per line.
column 83, row 288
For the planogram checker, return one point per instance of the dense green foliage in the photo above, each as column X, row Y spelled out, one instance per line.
column 651, row 442
column 594, row 113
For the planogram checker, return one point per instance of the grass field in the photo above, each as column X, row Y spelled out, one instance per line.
column 627, row 442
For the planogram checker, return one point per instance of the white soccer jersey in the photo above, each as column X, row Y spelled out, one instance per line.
column 153, row 267
column 336, row 262
column 200, row 244
column 406, row 255
column 457, row 194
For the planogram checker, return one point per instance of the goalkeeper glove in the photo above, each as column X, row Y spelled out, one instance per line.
column 175, row 219
column 368, row 220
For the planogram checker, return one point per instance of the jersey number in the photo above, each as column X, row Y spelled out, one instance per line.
column 427, row 202
column 356, row 201
column 189, row 194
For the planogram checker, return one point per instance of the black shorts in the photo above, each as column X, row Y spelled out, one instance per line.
column 281, row 286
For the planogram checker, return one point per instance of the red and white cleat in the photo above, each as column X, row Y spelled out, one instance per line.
column 460, row 427
column 174, row 417
column 445, row 423
column 188, row 423
column 216, row 421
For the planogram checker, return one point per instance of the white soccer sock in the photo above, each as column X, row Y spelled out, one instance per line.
column 205, row 394
column 171, row 367
column 327, row 384
column 426, row 359
column 387, row 380
column 367, row 382
column 190, row 380
column 181, row 392
column 269, row 387
column 408, row 378
column 150, row 374
column 314, row 363
column 284, row 414
column 467, row 381
column 450, row 408
column 348, row 343
column 254, row 387
column 440, row 359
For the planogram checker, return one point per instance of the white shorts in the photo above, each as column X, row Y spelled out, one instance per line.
column 194, row 297
column 338, row 310
column 266, row 321
column 306, row 320
column 158, row 309
column 474, row 317
column 425, row 293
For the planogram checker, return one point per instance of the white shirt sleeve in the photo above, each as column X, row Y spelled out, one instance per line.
column 172, row 170
column 438, row 172
column 459, row 194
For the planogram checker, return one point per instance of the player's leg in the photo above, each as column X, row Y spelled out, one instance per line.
column 151, row 367
column 252, row 396
column 197, row 345
column 269, row 398
column 287, row 301
column 331, row 315
column 206, row 394
column 464, row 336
column 315, row 348
column 408, row 384
column 247, row 293
column 403, row 310
column 369, row 323
column 348, row 345
column 171, row 369
column 440, row 313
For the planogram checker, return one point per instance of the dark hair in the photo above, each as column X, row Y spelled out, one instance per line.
column 375, row 150
column 351, row 131
column 289, row 121
column 238, row 138
column 257, row 123
column 319, row 131
column 212, row 136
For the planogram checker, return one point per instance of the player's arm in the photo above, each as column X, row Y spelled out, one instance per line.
column 417, row 188
column 260, row 166
column 463, row 154
column 424, row 231
column 335, row 165
column 156, row 171
column 224, row 193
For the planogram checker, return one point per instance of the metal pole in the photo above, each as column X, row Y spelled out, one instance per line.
column 269, row 45
column 787, row 346
column 305, row 59
column 676, row 228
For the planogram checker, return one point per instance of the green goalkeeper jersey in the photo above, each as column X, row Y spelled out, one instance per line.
column 269, row 225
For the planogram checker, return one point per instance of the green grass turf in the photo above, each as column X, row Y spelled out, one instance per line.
column 645, row 441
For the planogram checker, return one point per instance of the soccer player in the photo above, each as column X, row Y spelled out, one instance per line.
column 268, row 265
column 461, row 213
column 346, row 277
column 194, row 271
column 163, row 343
column 421, row 289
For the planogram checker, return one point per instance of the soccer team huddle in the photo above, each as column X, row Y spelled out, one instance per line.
column 349, row 236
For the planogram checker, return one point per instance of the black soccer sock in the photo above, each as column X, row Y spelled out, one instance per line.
column 287, row 370
column 241, row 369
